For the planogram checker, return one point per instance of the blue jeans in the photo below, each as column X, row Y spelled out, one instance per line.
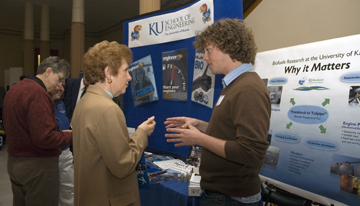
column 213, row 198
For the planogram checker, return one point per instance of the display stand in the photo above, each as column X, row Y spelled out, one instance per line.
column 162, row 109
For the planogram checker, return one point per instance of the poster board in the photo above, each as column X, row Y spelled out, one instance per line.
column 315, row 126
column 162, row 109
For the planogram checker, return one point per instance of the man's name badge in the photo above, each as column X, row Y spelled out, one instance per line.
column 220, row 100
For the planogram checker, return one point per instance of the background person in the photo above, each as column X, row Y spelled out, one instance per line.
column 235, row 140
column 74, row 88
column 34, row 144
column 105, row 157
column 2, row 96
column 66, row 167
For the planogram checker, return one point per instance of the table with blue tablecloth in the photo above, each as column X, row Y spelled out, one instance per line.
column 167, row 193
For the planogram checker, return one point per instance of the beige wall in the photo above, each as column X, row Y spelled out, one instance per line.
column 114, row 35
column 283, row 23
column 276, row 24
column 90, row 42
column 11, row 49
column 10, row 54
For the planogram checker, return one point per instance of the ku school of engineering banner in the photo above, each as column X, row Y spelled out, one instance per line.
column 315, row 120
column 203, row 13
column 174, row 26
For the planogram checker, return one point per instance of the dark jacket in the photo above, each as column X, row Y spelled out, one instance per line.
column 71, row 91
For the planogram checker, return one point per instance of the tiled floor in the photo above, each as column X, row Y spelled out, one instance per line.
column 5, row 186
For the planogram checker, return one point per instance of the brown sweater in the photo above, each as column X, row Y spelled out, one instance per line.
column 242, row 119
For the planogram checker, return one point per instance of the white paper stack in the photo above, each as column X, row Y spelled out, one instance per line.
column 176, row 165
column 181, row 167
column 166, row 164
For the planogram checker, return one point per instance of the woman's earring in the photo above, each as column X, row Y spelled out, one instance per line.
column 109, row 81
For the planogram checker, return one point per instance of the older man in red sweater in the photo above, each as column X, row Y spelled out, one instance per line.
column 34, row 144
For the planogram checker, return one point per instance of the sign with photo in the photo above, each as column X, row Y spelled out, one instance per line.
column 315, row 127
column 174, row 71
column 143, row 85
column 203, row 82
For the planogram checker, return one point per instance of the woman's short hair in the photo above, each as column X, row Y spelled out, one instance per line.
column 231, row 36
column 104, row 54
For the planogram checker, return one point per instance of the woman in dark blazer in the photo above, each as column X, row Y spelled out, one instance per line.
column 105, row 157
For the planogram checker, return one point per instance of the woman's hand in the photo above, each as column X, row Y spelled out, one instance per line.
column 148, row 126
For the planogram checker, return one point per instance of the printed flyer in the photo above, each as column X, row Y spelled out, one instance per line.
column 174, row 71
column 143, row 85
column 315, row 126
column 203, row 82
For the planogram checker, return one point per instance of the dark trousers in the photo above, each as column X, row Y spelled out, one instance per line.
column 34, row 180
column 213, row 198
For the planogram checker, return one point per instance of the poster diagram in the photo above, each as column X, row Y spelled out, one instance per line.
column 143, row 85
column 315, row 126
column 203, row 82
column 174, row 71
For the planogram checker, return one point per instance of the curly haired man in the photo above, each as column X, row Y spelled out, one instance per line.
column 235, row 140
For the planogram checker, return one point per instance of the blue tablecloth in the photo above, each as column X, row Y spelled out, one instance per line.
column 167, row 193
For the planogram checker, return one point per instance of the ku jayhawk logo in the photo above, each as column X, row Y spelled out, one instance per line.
column 206, row 13
column 135, row 34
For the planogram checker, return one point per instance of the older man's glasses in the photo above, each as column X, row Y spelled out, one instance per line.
column 59, row 86
column 61, row 79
